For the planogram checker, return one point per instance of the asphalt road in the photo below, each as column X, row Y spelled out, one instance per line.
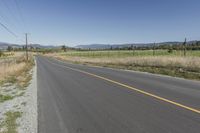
column 80, row 99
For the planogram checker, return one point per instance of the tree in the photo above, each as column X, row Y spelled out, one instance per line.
column 170, row 50
column 9, row 48
column 23, row 48
column 1, row 53
column 31, row 47
column 63, row 48
column 198, row 43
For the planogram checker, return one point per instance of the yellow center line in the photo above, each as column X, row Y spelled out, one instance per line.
column 132, row 88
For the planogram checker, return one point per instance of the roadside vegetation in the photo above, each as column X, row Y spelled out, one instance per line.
column 15, row 76
column 130, row 53
column 9, row 125
column 14, row 70
column 161, row 61
column 5, row 98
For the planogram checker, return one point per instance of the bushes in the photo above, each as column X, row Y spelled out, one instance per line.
column 1, row 53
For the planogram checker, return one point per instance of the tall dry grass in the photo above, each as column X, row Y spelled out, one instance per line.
column 7, row 69
column 186, row 67
column 12, row 68
column 189, row 63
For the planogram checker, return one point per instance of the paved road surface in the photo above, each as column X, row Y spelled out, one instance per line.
column 81, row 99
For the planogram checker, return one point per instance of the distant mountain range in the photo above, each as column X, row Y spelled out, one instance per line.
column 107, row 46
column 4, row 45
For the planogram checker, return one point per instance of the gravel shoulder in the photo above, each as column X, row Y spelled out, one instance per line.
column 22, row 102
column 28, row 121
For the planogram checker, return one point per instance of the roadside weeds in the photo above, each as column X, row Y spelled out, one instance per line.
column 183, row 67
column 9, row 125
column 15, row 96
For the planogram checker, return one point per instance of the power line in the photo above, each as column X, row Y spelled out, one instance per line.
column 12, row 15
column 20, row 13
column 6, row 28
column 6, row 19
column 18, row 19
column 9, row 10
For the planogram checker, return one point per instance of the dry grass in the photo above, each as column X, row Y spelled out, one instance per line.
column 15, row 70
column 192, row 63
column 10, row 69
column 11, row 54
column 187, row 67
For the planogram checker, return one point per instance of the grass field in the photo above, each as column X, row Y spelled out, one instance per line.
column 163, row 62
column 129, row 53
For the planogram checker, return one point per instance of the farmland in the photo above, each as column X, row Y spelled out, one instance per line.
column 172, row 63
column 129, row 53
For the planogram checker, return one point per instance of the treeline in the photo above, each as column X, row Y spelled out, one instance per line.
column 179, row 46
column 168, row 46
column 191, row 46
column 23, row 48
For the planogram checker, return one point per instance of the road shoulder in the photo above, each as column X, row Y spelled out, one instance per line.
column 18, row 112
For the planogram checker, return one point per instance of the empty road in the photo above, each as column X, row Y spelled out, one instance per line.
column 81, row 99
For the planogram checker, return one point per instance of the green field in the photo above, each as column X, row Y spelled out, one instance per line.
column 129, row 53
column 161, row 62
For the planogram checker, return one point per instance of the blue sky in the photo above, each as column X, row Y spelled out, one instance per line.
column 74, row 22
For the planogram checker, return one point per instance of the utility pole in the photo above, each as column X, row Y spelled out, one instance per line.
column 154, row 49
column 132, row 48
column 184, row 45
column 26, row 35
